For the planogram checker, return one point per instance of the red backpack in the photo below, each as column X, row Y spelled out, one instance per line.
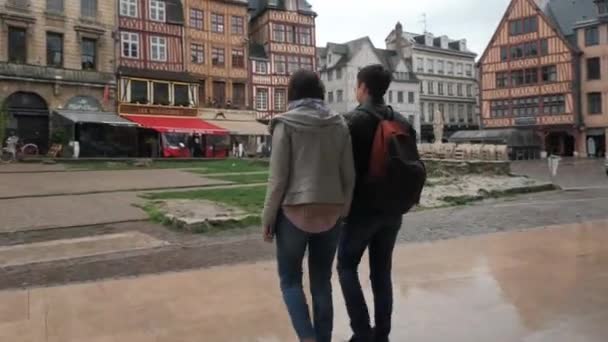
column 396, row 174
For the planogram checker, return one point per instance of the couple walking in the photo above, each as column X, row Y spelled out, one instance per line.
column 330, row 188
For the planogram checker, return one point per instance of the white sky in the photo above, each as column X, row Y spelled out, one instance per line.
column 342, row 20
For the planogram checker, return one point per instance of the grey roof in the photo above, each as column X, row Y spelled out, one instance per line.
column 510, row 136
column 257, row 50
column 566, row 13
column 389, row 58
column 258, row 7
column 107, row 118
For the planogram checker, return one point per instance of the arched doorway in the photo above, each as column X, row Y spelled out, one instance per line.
column 560, row 144
column 29, row 116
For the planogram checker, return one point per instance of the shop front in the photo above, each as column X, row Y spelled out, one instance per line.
column 245, row 131
column 596, row 142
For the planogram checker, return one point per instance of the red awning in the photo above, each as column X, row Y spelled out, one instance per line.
column 176, row 124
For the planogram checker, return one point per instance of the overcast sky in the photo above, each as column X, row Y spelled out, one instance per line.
column 342, row 20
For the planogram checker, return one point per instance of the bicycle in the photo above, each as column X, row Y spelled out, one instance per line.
column 22, row 151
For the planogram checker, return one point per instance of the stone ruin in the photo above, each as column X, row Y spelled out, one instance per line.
column 464, row 152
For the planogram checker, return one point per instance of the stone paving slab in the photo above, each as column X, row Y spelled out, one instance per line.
column 68, row 211
column 75, row 248
column 544, row 285
column 65, row 183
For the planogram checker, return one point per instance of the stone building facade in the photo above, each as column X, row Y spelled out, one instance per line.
column 448, row 83
column 339, row 64
column 51, row 52
column 217, row 51
column 592, row 37
column 282, row 41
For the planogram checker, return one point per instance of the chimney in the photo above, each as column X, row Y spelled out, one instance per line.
column 428, row 39
column 462, row 45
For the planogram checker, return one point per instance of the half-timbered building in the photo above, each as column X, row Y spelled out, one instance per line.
column 529, row 79
column 282, row 34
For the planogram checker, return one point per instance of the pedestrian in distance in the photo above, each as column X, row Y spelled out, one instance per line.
column 309, row 192
column 389, row 181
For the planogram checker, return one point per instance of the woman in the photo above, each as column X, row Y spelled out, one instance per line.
column 310, row 189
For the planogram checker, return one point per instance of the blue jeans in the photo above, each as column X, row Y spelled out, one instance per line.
column 291, row 247
column 379, row 234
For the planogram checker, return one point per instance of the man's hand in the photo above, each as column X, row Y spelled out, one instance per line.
column 268, row 234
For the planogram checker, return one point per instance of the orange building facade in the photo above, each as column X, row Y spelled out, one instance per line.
column 529, row 76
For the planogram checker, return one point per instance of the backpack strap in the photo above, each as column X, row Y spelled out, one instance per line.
column 378, row 116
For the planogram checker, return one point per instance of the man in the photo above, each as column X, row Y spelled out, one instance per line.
column 367, row 227
column 11, row 145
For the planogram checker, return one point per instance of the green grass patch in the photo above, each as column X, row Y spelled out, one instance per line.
column 202, row 166
column 250, row 199
column 244, row 178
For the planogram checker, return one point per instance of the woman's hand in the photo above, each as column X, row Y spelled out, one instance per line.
column 268, row 234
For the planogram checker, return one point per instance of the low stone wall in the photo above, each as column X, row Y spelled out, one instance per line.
column 447, row 167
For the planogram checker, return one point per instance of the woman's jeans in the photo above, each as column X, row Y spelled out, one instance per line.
column 291, row 247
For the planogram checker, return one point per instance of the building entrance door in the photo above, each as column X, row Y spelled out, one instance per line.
column 31, row 115
column 219, row 93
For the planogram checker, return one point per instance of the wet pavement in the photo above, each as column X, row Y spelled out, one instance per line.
column 535, row 286
column 572, row 173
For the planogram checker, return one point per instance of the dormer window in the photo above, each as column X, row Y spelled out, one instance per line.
column 602, row 6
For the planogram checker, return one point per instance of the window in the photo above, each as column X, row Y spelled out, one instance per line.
column 390, row 96
column 470, row 114
column 238, row 25
column 544, row 47
column 430, row 66
column 17, row 40
column 595, row 103
column 89, row 53
column 238, row 94
column 161, row 93
column 592, row 36
column 461, row 116
column 602, row 6
column 278, row 32
column 517, row 52
column 54, row 49
column 238, row 58
column 499, row 108
column 280, row 65
column 504, row 53
column 420, row 64
column 593, row 69
column 217, row 23
column 130, row 44
column 158, row 49
column 340, row 96
column 218, row 57
column 330, row 97
column 55, row 6
column 198, row 53
column 139, row 92
column 459, row 69
column 400, row 97
column 88, row 8
column 157, row 10
column 181, row 95
column 523, row 26
column 502, row 79
column 293, row 64
column 290, row 34
column 531, row 76
column 431, row 87
column 440, row 66
column 549, row 73
column 305, row 35
column 452, row 112
column 450, row 68
column 469, row 90
column 261, row 67
column 451, row 89
column 261, row 99
column 339, row 73
column 517, row 78
column 440, row 88
column 469, row 70
column 306, row 64
column 410, row 97
column 421, row 87
column 196, row 19
column 280, row 100
column 459, row 91
column 554, row 104
column 128, row 8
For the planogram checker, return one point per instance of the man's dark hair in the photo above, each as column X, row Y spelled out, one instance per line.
column 377, row 80
column 305, row 84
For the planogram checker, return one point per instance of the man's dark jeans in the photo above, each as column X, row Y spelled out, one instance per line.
column 379, row 234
